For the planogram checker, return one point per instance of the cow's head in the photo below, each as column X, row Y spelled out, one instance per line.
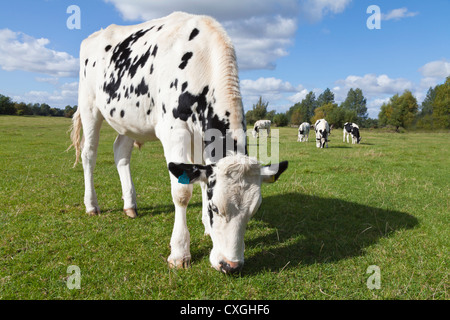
column 322, row 138
column 234, row 196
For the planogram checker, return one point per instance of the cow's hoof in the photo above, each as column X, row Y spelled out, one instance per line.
column 179, row 263
column 130, row 213
column 94, row 212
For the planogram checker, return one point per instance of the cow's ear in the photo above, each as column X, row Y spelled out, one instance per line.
column 272, row 172
column 189, row 173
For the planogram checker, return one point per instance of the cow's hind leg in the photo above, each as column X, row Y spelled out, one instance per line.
column 92, row 122
column 123, row 146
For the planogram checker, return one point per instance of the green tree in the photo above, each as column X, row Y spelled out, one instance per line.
column 325, row 97
column 356, row 102
column 303, row 111
column 441, row 109
column 401, row 111
column 280, row 119
column 22, row 109
column 427, row 103
column 6, row 105
column 44, row 110
column 258, row 112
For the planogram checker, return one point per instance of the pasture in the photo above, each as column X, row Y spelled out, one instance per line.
column 331, row 215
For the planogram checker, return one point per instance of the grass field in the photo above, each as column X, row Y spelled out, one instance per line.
column 331, row 215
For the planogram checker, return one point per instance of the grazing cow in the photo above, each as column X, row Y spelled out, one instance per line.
column 261, row 124
column 303, row 132
column 172, row 79
column 322, row 132
column 353, row 130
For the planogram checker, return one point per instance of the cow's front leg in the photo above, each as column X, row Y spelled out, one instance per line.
column 123, row 146
column 180, row 255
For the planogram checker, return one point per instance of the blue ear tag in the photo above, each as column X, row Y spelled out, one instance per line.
column 183, row 179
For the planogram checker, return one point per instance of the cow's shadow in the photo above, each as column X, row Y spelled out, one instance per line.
column 302, row 229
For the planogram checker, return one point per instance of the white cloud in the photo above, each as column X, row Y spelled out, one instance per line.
column 19, row 51
column 221, row 10
column 262, row 31
column 64, row 94
column 299, row 96
column 315, row 10
column 260, row 41
column 439, row 69
column 280, row 94
column 371, row 85
column 398, row 14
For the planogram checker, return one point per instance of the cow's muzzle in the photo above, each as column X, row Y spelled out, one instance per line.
column 229, row 267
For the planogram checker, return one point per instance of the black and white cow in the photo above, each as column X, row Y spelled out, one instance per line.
column 351, row 129
column 322, row 132
column 261, row 125
column 174, row 79
column 303, row 132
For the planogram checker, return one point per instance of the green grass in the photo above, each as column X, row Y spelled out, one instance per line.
column 330, row 216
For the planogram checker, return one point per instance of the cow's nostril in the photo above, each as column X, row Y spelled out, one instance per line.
column 230, row 267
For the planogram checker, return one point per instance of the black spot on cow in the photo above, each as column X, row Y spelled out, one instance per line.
column 139, row 63
column 111, row 112
column 122, row 113
column 137, row 104
column 142, row 88
column 86, row 62
column 155, row 50
column 107, row 48
column 176, row 84
column 93, row 65
column 148, row 111
column 164, row 108
column 184, row 86
column 121, row 60
column 227, row 113
column 151, row 69
column 185, row 102
column 160, row 27
column 184, row 60
column 193, row 34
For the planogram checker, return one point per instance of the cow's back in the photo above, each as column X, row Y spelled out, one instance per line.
column 177, row 71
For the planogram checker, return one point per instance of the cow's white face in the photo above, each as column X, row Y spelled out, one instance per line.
column 234, row 196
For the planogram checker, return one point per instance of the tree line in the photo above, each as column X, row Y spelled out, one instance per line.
column 8, row 106
column 402, row 111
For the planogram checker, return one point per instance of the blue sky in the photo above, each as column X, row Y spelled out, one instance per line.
column 285, row 48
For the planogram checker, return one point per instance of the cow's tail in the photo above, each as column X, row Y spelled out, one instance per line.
column 75, row 136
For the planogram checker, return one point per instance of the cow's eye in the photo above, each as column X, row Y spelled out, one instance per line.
column 214, row 208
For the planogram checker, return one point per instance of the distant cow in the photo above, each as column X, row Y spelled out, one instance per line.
column 322, row 132
column 351, row 129
column 261, row 124
column 303, row 132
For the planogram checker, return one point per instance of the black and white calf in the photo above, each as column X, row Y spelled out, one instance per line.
column 322, row 132
column 174, row 79
column 261, row 125
column 351, row 129
column 303, row 132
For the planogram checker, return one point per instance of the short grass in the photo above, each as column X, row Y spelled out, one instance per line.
column 331, row 215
